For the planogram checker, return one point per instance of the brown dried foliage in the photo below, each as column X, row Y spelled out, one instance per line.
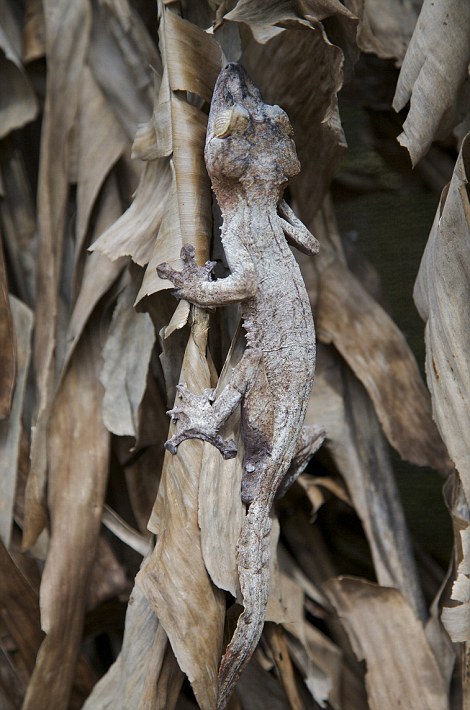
column 102, row 123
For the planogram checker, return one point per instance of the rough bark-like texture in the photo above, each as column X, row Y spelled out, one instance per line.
column 250, row 155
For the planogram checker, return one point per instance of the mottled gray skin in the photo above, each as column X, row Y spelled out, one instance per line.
column 250, row 155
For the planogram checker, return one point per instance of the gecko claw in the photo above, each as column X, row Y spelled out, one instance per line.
column 227, row 447
column 188, row 281
column 195, row 419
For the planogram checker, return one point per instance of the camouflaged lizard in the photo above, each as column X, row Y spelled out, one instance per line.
column 250, row 155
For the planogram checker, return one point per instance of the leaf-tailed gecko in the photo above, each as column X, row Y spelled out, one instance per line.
column 250, row 156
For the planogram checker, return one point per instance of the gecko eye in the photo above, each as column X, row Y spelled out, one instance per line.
column 233, row 121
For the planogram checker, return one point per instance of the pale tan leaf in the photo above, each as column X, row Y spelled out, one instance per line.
column 433, row 71
column 442, row 296
column 78, row 455
column 193, row 62
column 133, row 233
column 357, row 446
column 99, row 273
column 221, row 511
column 401, row 668
column 385, row 26
column 11, row 428
column 187, row 218
column 126, row 358
column 278, row 646
column 18, row 105
column 98, row 133
column 174, row 578
column 125, row 532
column 67, row 34
column 378, row 354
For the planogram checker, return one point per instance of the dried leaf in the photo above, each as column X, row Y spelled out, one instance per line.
column 11, row 428
column 107, row 577
column 382, row 361
column 67, row 34
column 7, row 345
column 187, row 217
column 401, row 668
column 359, row 451
column 442, row 296
column 124, row 61
column 33, row 31
column 124, row 378
column 442, row 293
column 385, row 26
column 133, row 681
column 279, row 650
column 20, row 615
column 190, row 609
column 433, row 71
column 283, row 70
column 221, row 511
column 98, row 132
column 18, row 105
column 267, row 18
column 78, row 450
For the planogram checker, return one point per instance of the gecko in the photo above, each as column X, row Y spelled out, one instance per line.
column 250, row 155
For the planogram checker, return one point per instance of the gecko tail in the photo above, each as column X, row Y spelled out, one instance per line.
column 253, row 557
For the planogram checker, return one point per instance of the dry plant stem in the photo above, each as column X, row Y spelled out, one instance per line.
column 250, row 155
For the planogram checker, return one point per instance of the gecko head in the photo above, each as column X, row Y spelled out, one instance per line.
column 247, row 140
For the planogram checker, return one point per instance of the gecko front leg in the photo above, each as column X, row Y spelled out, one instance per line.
column 200, row 416
column 195, row 285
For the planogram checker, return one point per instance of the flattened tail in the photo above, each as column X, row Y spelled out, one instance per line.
column 253, row 555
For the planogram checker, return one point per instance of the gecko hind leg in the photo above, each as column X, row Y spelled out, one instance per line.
column 200, row 416
column 310, row 440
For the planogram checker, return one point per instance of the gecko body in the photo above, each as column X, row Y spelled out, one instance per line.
column 250, row 156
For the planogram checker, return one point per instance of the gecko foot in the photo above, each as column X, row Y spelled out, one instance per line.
column 188, row 280
column 196, row 419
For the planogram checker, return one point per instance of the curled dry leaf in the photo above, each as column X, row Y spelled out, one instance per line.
column 433, row 72
column 126, row 358
column 401, row 668
column 385, row 26
column 12, row 427
column 174, row 578
column 267, row 19
column 282, row 69
column 442, row 296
